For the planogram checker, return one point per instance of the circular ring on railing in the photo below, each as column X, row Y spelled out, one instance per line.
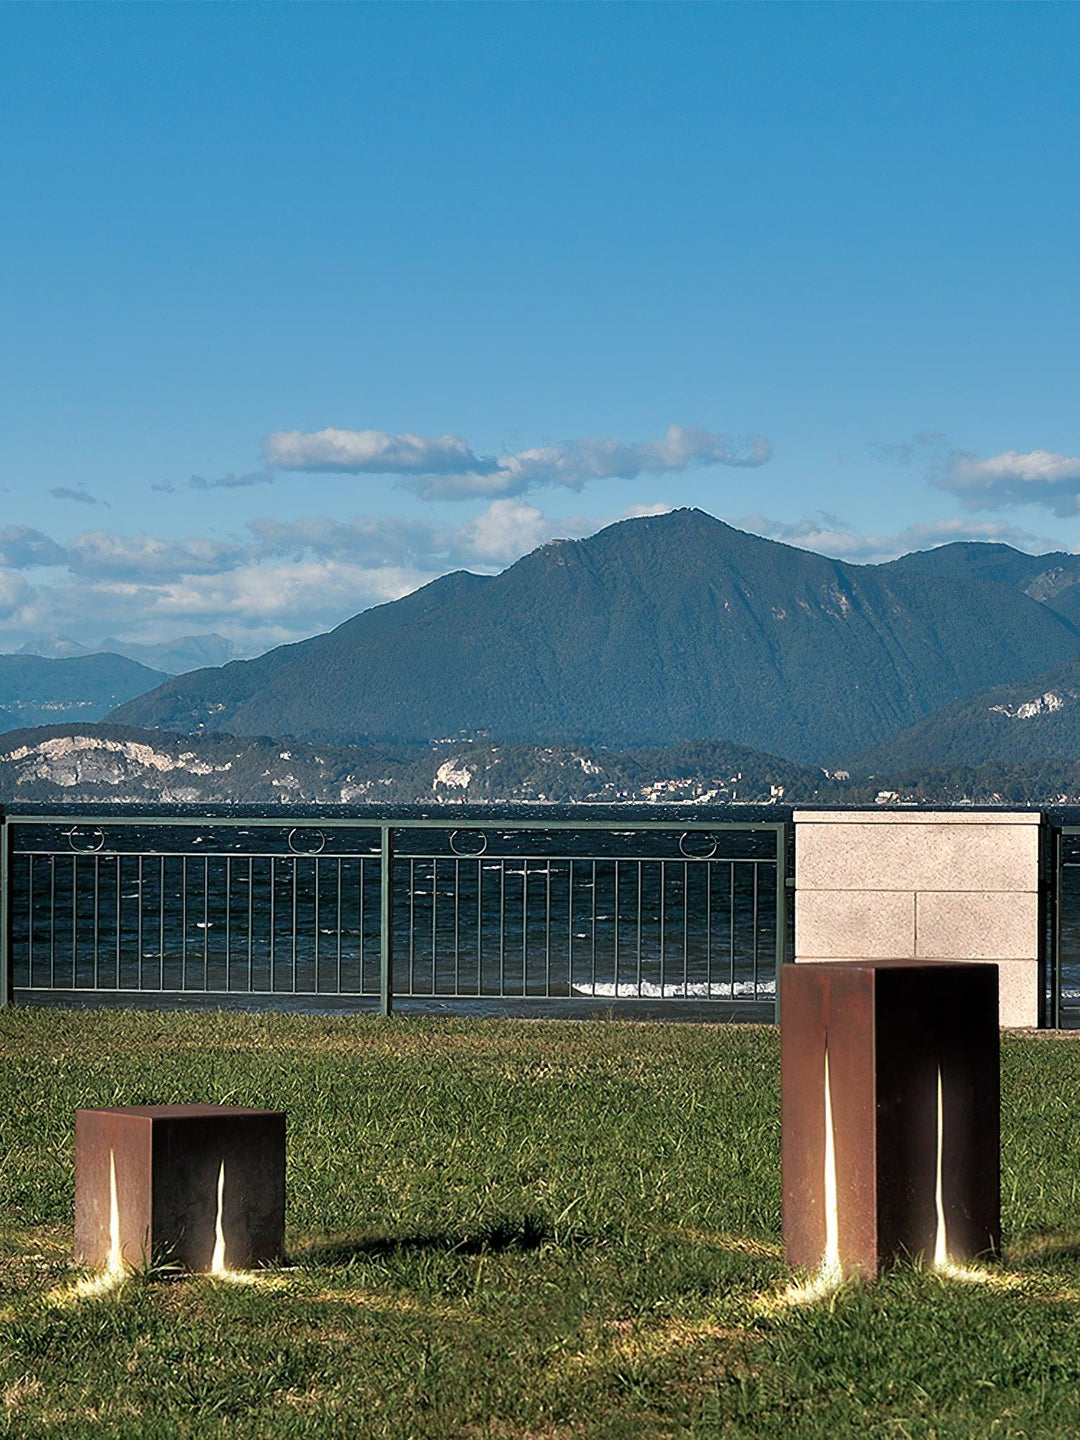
column 470, row 854
column 706, row 853
column 315, row 834
column 96, row 834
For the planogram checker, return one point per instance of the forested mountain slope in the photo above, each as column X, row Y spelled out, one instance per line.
column 653, row 631
column 1031, row 723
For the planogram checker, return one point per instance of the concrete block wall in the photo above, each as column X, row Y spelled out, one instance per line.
column 923, row 885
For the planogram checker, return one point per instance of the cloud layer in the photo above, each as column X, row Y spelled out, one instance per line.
column 285, row 579
column 446, row 468
column 1031, row 477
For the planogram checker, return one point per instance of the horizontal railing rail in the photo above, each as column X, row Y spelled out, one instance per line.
column 360, row 911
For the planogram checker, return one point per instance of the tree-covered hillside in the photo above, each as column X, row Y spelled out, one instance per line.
column 653, row 631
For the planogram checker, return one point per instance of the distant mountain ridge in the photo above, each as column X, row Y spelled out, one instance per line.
column 653, row 631
column 173, row 657
column 38, row 691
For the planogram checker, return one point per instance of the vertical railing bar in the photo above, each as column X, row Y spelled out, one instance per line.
column 273, row 923
column 593, row 938
column 663, row 929
column 412, row 925
column 318, row 984
column 480, row 924
column 502, row 927
column 339, row 864
column 754, row 912
column 731, row 930
column 362, row 948
column 686, row 929
column 140, row 928
column 525, row 926
column 615, row 918
column 457, row 927
column 781, row 914
column 228, row 923
column 183, row 923
column 640, row 958
column 570, row 927
column 6, row 958
column 97, row 922
column 434, row 922
column 206, row 923
column 1059, row 877
column 386, row 912
column 161, row 926
column 74, row 921
column 708, row 928
column 547, row 928
column 119, row 890
column 294, row 890
column 52, row 919
column 251, row 927
column 30, row 892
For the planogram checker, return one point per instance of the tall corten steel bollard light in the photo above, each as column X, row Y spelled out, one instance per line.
column 901, row 1061
column 201, row 1187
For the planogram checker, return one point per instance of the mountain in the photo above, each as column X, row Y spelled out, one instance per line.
column 652, row 631
column 76, row 763
column 53, row 647
column 177, row 657
column 1030, row 723
column 37, row 691
column 1051, row 579
column 173, row 657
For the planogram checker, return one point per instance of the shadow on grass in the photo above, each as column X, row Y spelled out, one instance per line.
column 1036, row 1250
column 499, row 1238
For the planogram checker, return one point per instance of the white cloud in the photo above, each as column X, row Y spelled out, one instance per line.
column 503, row 531
column 320, row 591
column 15, row 594
column 369, row 452
column 447, row 469
column 106, row 553
column 826, row 535
column 1031, row 477
column 21, row 547
column 508, row 529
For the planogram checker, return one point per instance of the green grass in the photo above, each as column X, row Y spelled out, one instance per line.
column 515, row 1229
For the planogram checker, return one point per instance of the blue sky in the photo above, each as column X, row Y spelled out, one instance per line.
column 409, row 287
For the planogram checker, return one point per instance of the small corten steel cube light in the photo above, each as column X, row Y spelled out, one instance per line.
column 903, row 1059
column 201, row 1187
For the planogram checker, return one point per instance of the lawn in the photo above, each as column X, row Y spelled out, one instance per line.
column 515, row 1229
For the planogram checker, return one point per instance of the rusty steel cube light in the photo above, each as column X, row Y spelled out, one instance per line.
column 197, row 1186
column 911, row 1086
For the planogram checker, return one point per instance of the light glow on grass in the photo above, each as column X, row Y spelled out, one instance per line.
column 829, row 1275
column 115, row 1272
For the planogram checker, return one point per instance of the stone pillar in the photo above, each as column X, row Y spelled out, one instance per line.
column 923, row 885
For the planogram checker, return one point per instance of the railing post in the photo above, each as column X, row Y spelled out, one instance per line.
column 386, row 922
column 781, row 912
column 1051, row 890
column 5, row 914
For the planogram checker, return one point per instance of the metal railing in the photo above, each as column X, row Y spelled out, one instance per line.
column 347, row 912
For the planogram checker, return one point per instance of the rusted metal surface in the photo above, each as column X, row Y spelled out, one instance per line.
column 167, row 1161
column 888, row 1028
